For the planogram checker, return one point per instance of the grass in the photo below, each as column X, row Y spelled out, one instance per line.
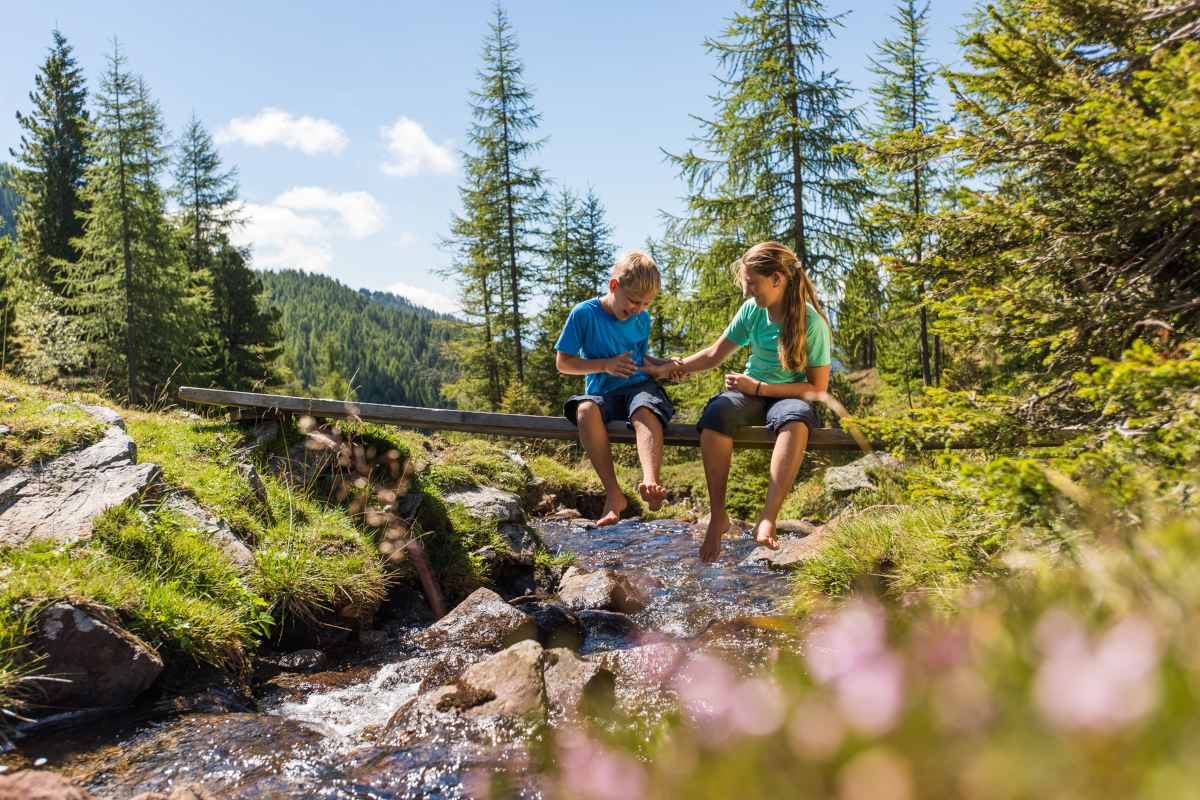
column 36, row 436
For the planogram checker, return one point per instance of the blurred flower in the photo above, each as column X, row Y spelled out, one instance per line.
column 719, row 705
column 815, row 731
column 877, row 774
column 1096, row 685
column 851, row 654
column 592, row 771
column 961, row 700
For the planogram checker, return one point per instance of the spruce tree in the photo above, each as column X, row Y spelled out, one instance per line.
column 207, row 196
column 495, row 239
column 766, row 166
column 130, row 288
column 906, row 112
column 9, row 346
column 860, row 316
column 248, row 335
column 53, row 159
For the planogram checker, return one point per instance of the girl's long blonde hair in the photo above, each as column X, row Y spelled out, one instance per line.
column 767, row 258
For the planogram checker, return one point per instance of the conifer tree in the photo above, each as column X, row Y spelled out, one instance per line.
column 248, row 335
column 53, row 160
column 207, row 196
column 9, row 346
column 861, row 312
column 130, row 289
column 906, row 112
column 766, row 167
column 503, row 204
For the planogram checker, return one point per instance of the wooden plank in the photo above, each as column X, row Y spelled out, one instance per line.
column 248, row 405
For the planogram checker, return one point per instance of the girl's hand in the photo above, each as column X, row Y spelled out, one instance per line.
column 621, row 366
column 673, row 369
column 736, row 381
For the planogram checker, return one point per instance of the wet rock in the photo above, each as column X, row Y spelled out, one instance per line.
column 262, row 433
column 38, row 785
column 798, row 527
column 307, row 661
column 602, row 589
column 490, row 559
column 302, row 464
column 856, row 475
column 519, row 538
column 217, row 529
column 548, row 579
column 209, row 694
column 327, row 630
column 368, row 638
column 740, row 637
column 406, row 607
column 557, row 626
column 58, row 500
column 94, row 663
column 565, row 513
column 264, row 669
column 586, row 524
column 576, row 685
column 792, row 553
column 481, row 621
column 535, row 492
column 488, row 504
column 191, row 791
column 606, row 624
column 514, row 676
column 646, row 664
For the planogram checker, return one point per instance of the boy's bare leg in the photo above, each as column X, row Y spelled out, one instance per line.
column 786, row 458
column 594, row 437
column 648, row 428
column 717, row 451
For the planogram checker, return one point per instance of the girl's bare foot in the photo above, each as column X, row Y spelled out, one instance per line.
column 711, row 549
column 764, row 532
column 613, row 506
column 652, row 494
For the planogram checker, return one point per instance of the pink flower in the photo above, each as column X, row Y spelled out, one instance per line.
column 593, row 772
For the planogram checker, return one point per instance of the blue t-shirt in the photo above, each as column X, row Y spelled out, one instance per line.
column 592, row 332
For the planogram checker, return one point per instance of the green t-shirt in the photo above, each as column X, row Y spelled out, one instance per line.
column 752, row 325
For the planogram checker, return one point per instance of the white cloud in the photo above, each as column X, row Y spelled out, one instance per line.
column 405, row 240
column 296, row 230
column 413, row 152
column 275, row 126
column 424, row 297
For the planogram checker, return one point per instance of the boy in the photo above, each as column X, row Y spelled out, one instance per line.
column 606, row 339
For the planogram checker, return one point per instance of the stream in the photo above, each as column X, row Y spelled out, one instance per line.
column 315, row 735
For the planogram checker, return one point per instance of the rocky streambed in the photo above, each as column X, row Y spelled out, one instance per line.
column 431, row 710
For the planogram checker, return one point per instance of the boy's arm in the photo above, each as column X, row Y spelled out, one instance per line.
column 621, row 366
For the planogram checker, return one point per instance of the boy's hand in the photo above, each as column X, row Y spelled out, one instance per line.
column 621, row 366
column 676, row 369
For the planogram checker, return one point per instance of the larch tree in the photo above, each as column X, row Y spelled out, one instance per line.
column 495, row 239
column 130, row 289
column 767, row 165
column 53, row 158
column 906, row 112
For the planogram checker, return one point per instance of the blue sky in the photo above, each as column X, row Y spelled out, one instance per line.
column 345, row 121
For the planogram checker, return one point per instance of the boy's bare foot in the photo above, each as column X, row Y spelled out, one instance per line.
column 613, row 506
column 764, row 532
column 711, row 549
column 652, row 494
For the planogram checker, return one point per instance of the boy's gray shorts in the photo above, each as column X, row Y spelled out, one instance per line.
column 619, row 405
column 728, row 411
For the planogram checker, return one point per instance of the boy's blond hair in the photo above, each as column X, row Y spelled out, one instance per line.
column 637, row 273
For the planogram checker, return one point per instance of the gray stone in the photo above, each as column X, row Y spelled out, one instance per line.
column 792, row 553
column 250, row 475
column 106, row 415
column 307, row 661
column 797, row 527
column 601, row 589
column 302, row 464
column 516, row 458
column 586, row 524
column 605, row 623
column 519, row 538
column 573, row 684
column 58, row 500
column 5, row 430
column 856, row 475
column 557, row 626
column 262, row 433
column 565, row 513
column 89, row 662
column 482, row 621
column 488, row 504
column 515, row 676
column 217, row 529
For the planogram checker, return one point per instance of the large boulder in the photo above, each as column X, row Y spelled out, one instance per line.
column 58, row 500
column 519, row 538
column 573, row 684
column 602, row 589
column 482, row 621
column 792, row 553
column 857, row 475
column 514, row 676
column 89, row 662
column 37, row 785
column 557, row 626
column 488, row 504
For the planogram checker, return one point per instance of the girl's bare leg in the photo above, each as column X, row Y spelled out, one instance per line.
column 594, row 437
column 786, row 458
column 717, row 451
column 649, row 430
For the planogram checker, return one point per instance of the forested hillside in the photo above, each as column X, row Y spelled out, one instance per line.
column 334, row 335
column 398, row 303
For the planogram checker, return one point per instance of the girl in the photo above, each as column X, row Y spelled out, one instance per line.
column 789, row 337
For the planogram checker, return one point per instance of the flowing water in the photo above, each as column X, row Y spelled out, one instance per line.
column 315, row 736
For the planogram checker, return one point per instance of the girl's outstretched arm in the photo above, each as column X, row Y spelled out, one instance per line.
column 703, row 360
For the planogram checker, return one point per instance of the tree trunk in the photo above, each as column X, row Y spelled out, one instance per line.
column 797, row 166
column 130, row 333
